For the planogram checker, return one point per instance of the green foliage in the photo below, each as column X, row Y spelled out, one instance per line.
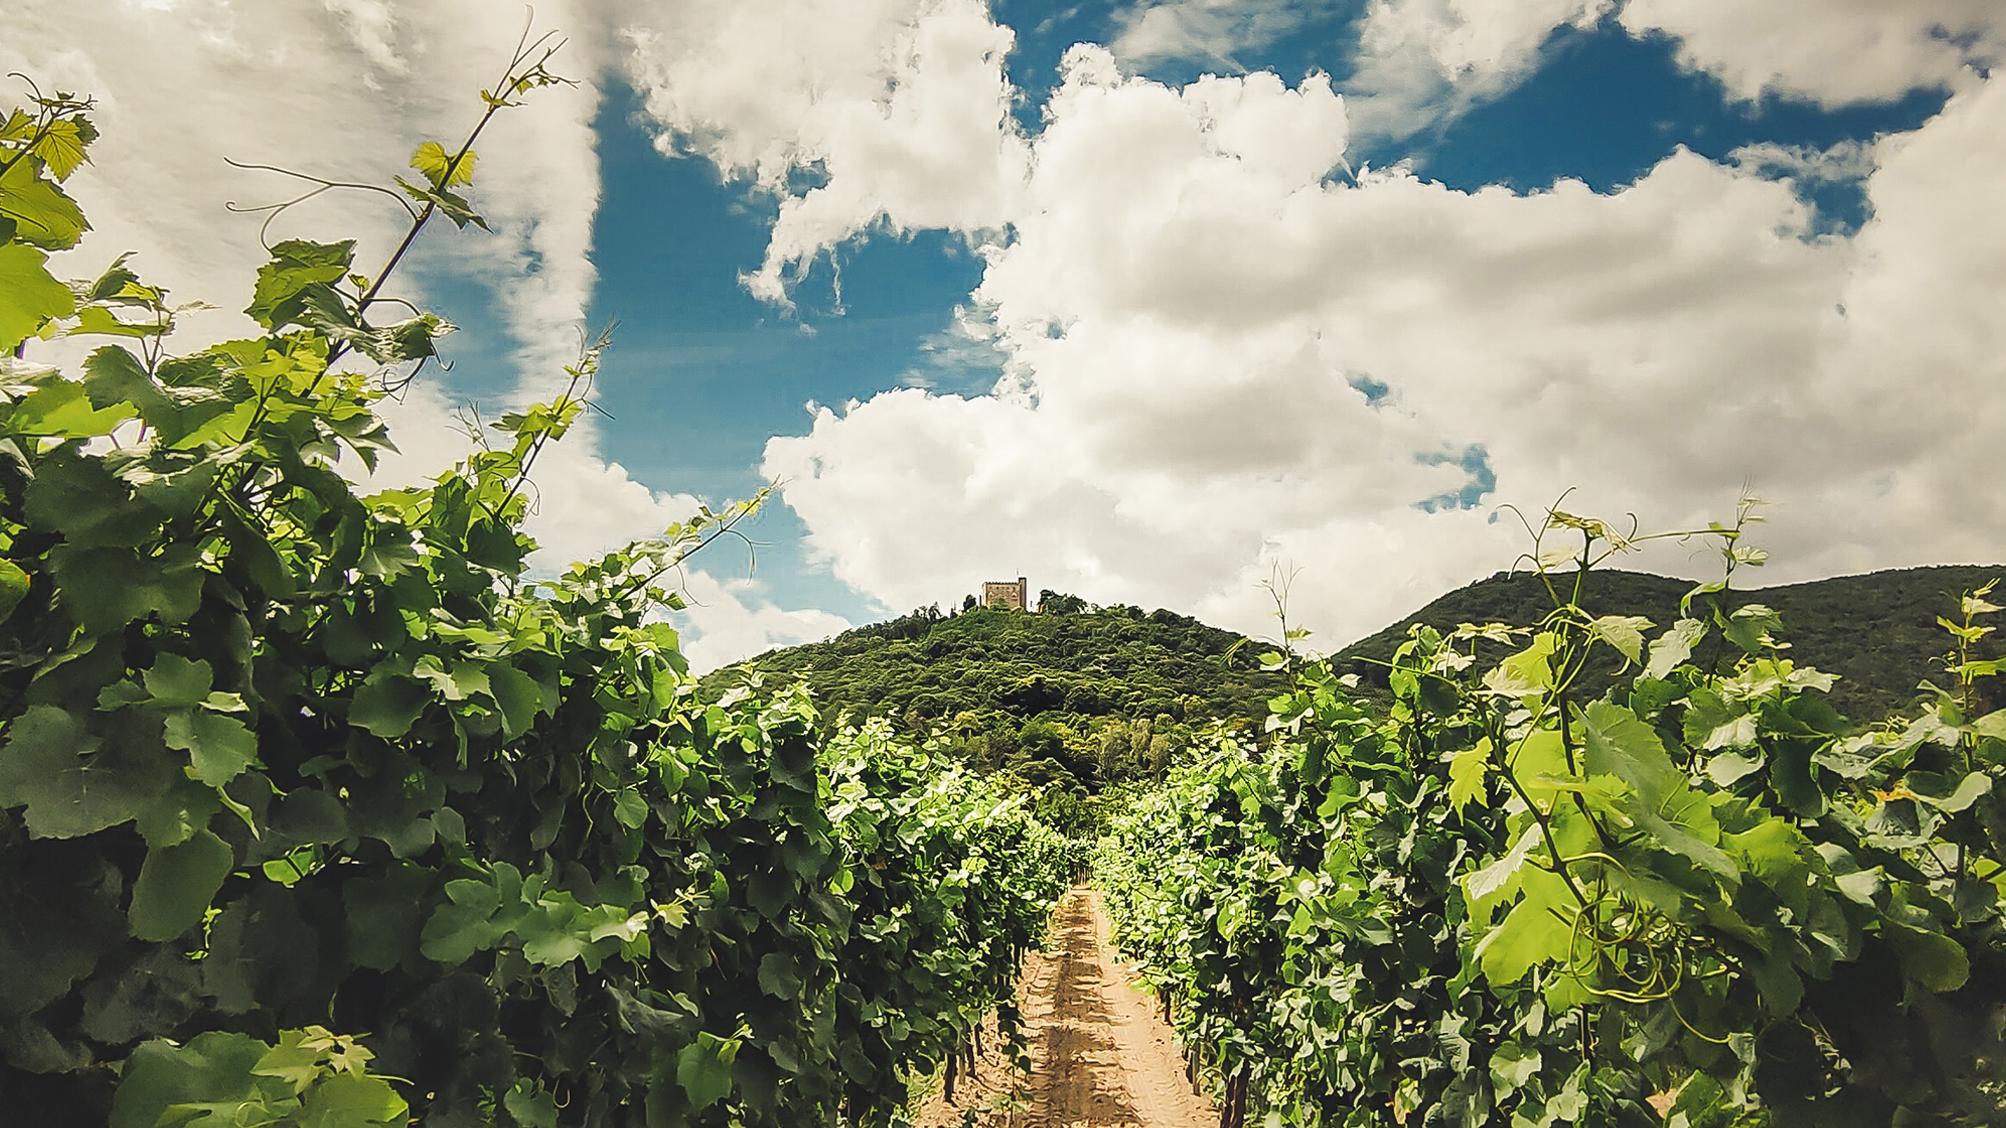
column 1699, row 897
column 1073, row 694
column 1875, row 632
column 278, row 759
column 311, row 1078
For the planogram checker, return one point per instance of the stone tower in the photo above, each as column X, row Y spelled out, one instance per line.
column 1015, row 596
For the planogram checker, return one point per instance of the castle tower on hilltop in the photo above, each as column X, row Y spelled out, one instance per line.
column 1016, row 597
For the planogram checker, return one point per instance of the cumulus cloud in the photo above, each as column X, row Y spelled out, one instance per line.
column 1213, row 32
column 1223, row 359
column 855, row 116
column 737, row 618
column 1841, row 162
column 1219, row 352
column 1832, row 52
column 1418, row 62
column 346, row 89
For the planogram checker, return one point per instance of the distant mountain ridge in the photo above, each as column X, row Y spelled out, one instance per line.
column 1105, row 693
column 1876, row 630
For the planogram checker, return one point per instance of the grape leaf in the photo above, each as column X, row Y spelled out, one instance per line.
column 43, row 214
column 69, row 786
column 176, row 884
column 29, row 295
column 438, row 165
column 13, row 588
column 704, row 1069
column 219, row 748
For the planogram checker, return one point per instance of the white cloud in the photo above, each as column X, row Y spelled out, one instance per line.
column 737, row 619
column 1422, row 61
column 1832, row 52
column 1213, row 32
column 1188, row 298
column 1418, row 61
column 889, row 114
column 1188, row 303
column 1840, row 162
column 962, row 354
column 346, row 90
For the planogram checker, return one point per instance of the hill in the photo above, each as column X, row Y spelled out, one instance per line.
column 1098, row 695
column 1877, row 631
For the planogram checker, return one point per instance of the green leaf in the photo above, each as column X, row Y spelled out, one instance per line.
column 298, row 268
column 1673, row 647
column 530, row 1106
column 62, row 409
column 346, row 1100
column 29, row 295
column 388, row 705
column 1624, row 632
column 1750, row 627
column 1935, row 961
column 1777, row 854
column 1527, row 673
column 1617, row 742
column 629, row 809
column 297, row 1060
column 54, row 768
column 704, row 1069
column 1969, row 790
column 449, row 204
column 106, row 588
column 63, row 144
column 250, row 548
column 159, row 1076
column 1489, row 882
column 81, row 498
column 438, row 166
column 13, row 588
column 517, row 695
column 176, row 682
column 1467, row 770
column 1991, row 725
column 411, row 339
column 113, row 376
column 42, row 214
column 778, row 976
column 1534, row 932
column 176, row 885
column 1512, row 1065
column 219, row 748
column 99, row 321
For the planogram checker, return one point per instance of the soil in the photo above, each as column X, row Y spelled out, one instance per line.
column 1101, row 1055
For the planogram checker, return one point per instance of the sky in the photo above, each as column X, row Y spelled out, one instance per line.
column 1151, row 301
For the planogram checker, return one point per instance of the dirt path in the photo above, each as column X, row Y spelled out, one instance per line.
column 1100, row 1055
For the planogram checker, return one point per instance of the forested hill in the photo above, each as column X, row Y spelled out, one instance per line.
column 1105, row 693
column 1102, row 694
column 1877, row 631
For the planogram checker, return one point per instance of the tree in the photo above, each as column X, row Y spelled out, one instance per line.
column 1058, row 603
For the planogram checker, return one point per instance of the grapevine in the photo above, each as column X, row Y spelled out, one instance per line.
column 1703, row 899
column 318, row 807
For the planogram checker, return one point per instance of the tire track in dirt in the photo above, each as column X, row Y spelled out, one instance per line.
column 1101, row 1057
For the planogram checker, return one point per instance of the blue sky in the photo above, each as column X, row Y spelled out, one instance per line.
column 703, row 373
column 1146, row 300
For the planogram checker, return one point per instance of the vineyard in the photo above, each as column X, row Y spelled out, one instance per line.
column 1703, row 899
column 318, row 806
column 315, row 808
